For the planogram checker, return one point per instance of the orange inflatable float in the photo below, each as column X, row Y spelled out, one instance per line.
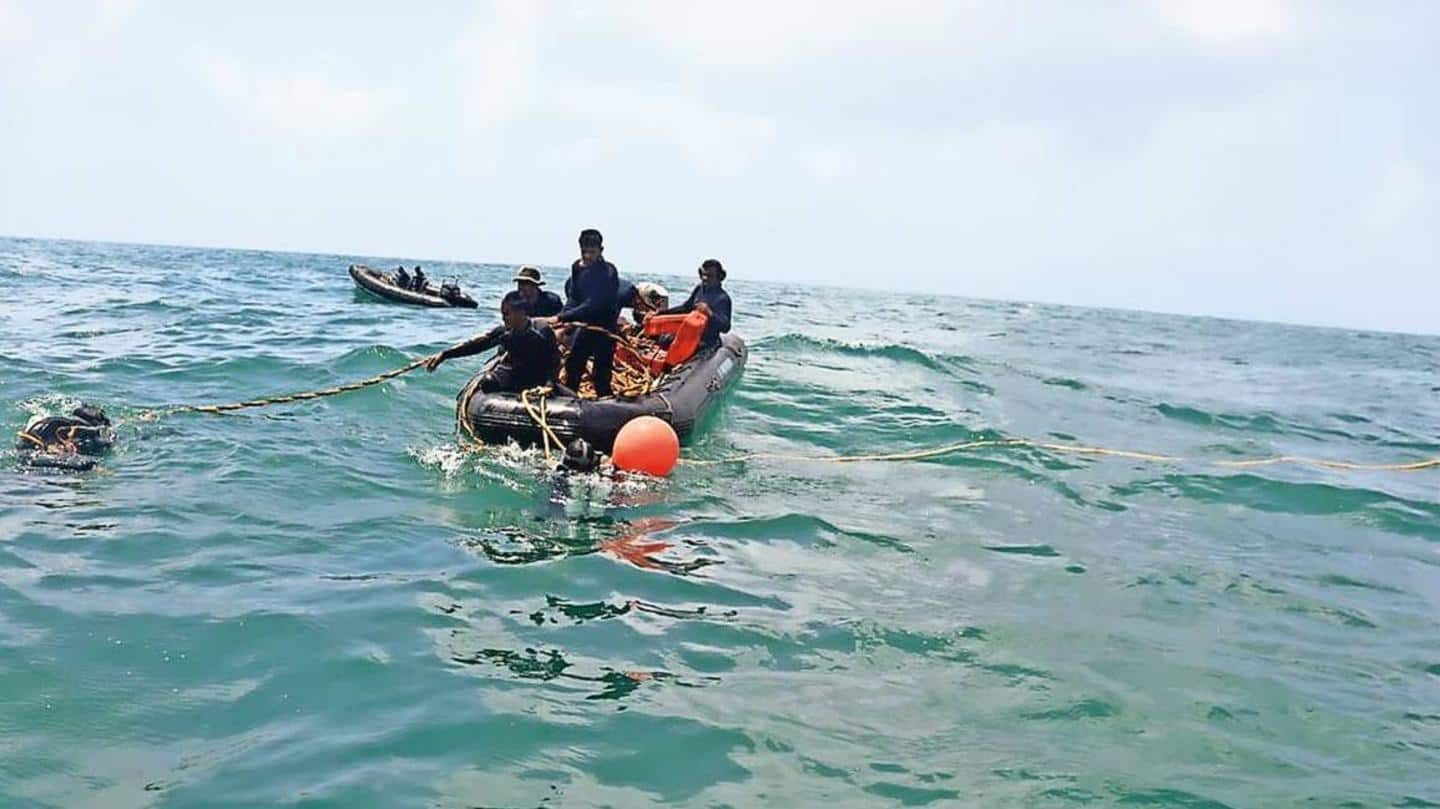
column 685, row 330
column 646, row 444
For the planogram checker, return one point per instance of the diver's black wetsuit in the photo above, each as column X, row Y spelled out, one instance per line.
column 57, row 431
column 74, row 442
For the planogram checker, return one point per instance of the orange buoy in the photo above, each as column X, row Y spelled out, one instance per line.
column 646, row 444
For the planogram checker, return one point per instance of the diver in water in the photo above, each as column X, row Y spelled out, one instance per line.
column 532, row 355
column 582, row 459
column 77, row 440
column 582, row 482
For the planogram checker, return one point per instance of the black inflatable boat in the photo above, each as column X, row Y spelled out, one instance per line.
column 682, row 398
column 383, row 285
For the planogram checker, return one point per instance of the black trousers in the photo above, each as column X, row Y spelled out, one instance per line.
column 500, row 379
column 503, row 378
column 588, row 345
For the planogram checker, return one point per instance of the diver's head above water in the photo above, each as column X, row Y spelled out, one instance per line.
column 91, row 415
column 580, row 457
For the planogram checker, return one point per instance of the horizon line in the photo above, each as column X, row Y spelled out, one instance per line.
column 814, row 284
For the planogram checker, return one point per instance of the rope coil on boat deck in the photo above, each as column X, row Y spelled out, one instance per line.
column 624, row 377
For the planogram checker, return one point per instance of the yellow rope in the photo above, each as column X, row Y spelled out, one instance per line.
column 623, row 378
column 545, row 425
column 461, row 407
column 919, row 454
column 286, row 399
column 1414, row 466
column 540, row 418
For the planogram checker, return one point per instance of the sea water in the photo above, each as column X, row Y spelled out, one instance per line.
column 333, row 603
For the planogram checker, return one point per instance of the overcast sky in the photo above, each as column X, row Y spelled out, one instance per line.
column 1254, row 158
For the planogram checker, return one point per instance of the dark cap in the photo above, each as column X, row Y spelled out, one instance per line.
column 91, row 415
column 580, row 456
column 590, row 237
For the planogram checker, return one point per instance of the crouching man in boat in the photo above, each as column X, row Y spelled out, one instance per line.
column 75, row 441
column 542, row 303
column 643, row 299
column 711, row 299
column 532, row 355
column 594, row 289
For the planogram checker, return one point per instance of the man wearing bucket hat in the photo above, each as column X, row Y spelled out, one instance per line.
column 542, row 303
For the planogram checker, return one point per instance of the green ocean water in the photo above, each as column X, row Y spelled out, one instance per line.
column 330, row 604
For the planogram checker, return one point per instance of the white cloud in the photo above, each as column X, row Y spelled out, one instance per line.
column 294, row 104
column 1145, row 154
column 310, row 102
column 759, row 32
column 495, row 62
column 15, row 23
column 1231, row 20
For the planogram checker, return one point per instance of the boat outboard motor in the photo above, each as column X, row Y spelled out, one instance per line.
column 450, row 291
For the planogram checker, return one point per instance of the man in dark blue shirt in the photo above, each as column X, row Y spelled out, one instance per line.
column 710, row 298
column 542, row 303
column 594, row 290
column 532, row 355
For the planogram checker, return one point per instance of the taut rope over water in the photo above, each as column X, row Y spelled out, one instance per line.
column 548, row 436
column 216, row 409
column 1071, row 449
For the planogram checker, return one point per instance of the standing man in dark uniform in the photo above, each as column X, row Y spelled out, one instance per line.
column 708, row 297
column 594, row 291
